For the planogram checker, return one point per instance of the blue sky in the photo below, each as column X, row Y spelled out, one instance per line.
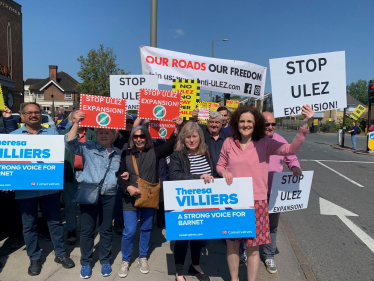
column 58, row 32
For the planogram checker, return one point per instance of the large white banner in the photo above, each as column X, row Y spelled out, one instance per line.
column 289, row 193
column 219, row 75
column 318, row 80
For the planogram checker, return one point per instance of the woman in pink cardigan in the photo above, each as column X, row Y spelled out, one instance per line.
column 246, row 154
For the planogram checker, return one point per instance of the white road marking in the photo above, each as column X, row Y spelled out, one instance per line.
column 331, row 209
column 343, row 176
column 338, row 161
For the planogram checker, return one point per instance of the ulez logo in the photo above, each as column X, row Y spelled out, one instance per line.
column 163, row 132
column 159, row 111
column 103, row 119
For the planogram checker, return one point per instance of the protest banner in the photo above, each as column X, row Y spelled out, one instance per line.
column 159, row 104
column 289, row 193
column 214, row 106
column 31, row 162
column 190, row 90
column 204, row 108
column 2, row 104
column 128, row 87
column 318, row 80
column 194, row 210
column 103, row 112
column 359, row 110
column 160, row 129
column 232, row 104
column 219, row 75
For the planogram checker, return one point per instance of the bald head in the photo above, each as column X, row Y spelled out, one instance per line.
column 269, row 121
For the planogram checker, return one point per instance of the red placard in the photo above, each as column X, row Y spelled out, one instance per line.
column 159, row 104
column 161, row 129
column 103, row 112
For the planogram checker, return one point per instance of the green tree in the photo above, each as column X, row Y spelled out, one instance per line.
column 359, row 91
column 95, row 71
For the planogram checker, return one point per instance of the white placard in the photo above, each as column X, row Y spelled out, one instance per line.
column 318, row 80
column 128, row 87
column 289, row 193
column 219, row 75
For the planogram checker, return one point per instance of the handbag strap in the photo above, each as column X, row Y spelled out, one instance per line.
column 135, row 165
column 107, row 170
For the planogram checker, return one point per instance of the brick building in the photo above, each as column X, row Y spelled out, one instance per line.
column 59, row 84
column 11, row 55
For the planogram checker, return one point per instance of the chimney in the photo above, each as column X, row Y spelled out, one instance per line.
column 53, row 72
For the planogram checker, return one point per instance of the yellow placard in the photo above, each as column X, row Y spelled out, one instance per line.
column 214, row 106
column 45, row 125
column 2, row 104
column 357, row 112
column 190, row 90
column 232, row 104
column 315, row 122
column 329, row 119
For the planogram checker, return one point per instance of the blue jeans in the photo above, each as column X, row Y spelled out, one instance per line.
column 68, row 193
column 131, row 222
column 50, row 205
column 353, row 138
column 269, row 249
column 118, row 210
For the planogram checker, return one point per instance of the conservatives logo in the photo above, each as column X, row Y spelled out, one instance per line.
column 159, row 111
column 163, row 132
column 103, row 119
column 224, row 232
column 33, row 183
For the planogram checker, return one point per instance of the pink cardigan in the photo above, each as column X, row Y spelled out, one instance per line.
column 254, row 160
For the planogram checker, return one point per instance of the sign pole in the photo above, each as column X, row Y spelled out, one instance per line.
column 367, row 137
column 344, row 128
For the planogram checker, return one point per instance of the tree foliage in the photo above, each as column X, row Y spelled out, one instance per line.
column 95, row 71
column 359, row 91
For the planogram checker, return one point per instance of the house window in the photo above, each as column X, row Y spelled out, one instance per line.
column 39, row 95
column 46, row 108
column 27, row 93
column 68, row 95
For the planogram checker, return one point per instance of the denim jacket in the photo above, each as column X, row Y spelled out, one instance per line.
column 95, row 162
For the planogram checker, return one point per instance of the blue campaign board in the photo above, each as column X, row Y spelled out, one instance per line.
column 31, row 162
column 194, row 210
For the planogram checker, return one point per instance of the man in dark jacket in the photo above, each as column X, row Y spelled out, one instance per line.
column 73, row 166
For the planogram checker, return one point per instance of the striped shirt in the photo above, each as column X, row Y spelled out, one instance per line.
column 199, row 165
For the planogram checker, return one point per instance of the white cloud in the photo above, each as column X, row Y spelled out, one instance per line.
column 177, row 32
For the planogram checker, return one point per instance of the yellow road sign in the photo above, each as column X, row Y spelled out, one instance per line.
column 358, row 112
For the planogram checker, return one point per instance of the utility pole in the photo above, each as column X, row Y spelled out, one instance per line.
column 370, row 99
column 154, row 23
column 211, row 93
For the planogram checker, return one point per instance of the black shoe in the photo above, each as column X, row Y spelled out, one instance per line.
column 35, row 267
column 72, row 237
column 65, row 261
column 197, row 274
column 118, row 228
column 45, row 234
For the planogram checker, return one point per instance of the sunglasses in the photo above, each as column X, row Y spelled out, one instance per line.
column 129, row 122
column 272, row 124
column 142, row 137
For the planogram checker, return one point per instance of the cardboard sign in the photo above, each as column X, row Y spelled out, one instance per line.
column 289, row 193
column 159, row 104
column 218, row 75
column 358, row 112
column 161, row 129
column 204, row 110
column 232, row 104
column 214, row 106
column 103, row 112
column 315, row 122
column 31, row 162
column 318, row 80
column 2, row 104
column 190, row 90
column 128, row 87
column 194, row 210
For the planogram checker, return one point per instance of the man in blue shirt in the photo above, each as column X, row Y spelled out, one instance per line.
column 353, row 132
column 28, row 201
column 225, row 112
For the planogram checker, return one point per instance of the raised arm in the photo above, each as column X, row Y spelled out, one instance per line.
column 167, row 148
column 10, row 124
column 71, row 139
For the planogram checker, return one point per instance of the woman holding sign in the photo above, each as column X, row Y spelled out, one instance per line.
column 190, row 161
column 139, row 181
column 246, row 154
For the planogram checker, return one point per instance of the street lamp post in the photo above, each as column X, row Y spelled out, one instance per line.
column 53, row 107
column 153, row 23
column 211, row 93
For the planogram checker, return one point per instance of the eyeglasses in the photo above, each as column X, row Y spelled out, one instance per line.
column 135, row 137
column 129, row 122
column 272, row 124
column 32, row 112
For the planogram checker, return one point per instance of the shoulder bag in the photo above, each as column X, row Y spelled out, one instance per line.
column 150, row 192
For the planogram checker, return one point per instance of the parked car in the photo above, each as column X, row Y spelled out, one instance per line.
column 62, row 125
column 46, row 119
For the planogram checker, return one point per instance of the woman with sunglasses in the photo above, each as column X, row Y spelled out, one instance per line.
column 246, row 154
column 147, row 159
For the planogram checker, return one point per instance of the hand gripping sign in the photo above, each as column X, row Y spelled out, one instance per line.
column 318, row 80
column 103, row 112
column 161, row 129
column 190, row 90
column 159, row 104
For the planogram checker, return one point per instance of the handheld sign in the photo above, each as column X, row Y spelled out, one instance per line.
column 359, row 110
column 203, row 110
column 2, row 104
column 128, row 87
column 190, row 90
column 161, row 129
column 103, row 112
column 214, row 106
column 159, row 104
column 31, row 162
column 318, row 80
column 218, row 75
column 289, row 193
column 232, row 104
column 194, row 210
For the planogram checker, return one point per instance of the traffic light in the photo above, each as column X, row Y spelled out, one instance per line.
column 217, row 98
column 371, row 91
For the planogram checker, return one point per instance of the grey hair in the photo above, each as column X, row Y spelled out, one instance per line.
column 215, row 114
column 188, row 129
column 70, row 117
column 112, row 131
column 148, row 139
column 23, row 105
